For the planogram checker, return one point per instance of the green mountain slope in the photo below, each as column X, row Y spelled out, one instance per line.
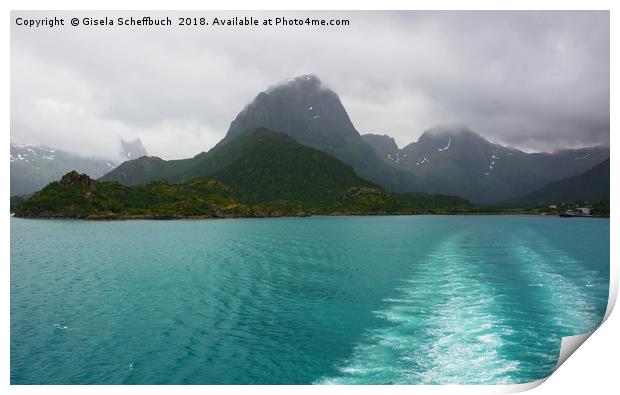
column 263, row 166
column 260, row 165
column 150, row 168
column 591, row 185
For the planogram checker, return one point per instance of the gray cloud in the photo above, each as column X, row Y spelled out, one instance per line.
column 536, row 80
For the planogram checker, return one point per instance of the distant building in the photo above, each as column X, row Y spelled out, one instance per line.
column 553, row 206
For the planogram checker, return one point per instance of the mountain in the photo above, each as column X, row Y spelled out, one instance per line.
column 451, row 161
column 303, row 109
column 459, row 161
column 261, row 165
column 591, row 186
column 33, row 167
column 264, row 166
column 313, row 115
column 132, row 149
column 259, row 173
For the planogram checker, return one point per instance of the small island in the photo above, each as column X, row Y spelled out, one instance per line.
column 78, row 196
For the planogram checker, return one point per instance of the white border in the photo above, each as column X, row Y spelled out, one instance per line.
column 593, row 367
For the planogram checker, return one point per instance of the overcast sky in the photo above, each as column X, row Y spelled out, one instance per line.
column 534, row 80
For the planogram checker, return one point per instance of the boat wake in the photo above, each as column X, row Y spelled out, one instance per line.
column 444, row 328
column 477, row 312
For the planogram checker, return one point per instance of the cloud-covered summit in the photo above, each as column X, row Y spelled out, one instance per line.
column 537, row 80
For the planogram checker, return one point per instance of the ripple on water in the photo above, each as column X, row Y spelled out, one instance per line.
column 411, row 299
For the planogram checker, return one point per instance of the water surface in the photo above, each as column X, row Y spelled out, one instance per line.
column 353, row 300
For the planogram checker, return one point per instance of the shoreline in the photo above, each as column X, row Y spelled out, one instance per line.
column 96, row 218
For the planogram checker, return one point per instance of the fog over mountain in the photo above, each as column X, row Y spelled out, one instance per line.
column 532, row 80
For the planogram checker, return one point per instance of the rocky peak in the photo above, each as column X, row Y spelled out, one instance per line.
column 73, row 178
column 132, row 149
column 441, row 139
column 302, row 107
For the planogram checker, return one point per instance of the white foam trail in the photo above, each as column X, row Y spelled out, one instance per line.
column 441, row 330
column 573, row 311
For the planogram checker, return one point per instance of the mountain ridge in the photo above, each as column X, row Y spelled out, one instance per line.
column 259, row 173
column 462, row 162
column 444, row 160
column 312, row 114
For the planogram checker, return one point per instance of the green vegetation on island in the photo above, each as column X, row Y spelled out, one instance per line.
column 78, row 196
column 259, row 174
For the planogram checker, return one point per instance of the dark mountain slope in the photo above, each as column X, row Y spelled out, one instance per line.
column 461, row 162
column 591, row 185
column 385, row 146
column 313, row 115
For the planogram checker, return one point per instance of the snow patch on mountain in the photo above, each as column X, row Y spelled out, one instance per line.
column 396, row 157
column 420, row 162
column 583, row 157
column 447, row 146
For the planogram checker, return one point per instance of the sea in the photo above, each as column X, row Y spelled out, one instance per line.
column 314, row 300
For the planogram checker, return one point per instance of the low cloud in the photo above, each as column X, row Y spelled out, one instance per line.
column 535, row 80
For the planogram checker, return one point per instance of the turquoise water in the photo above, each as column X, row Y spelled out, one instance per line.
column 412, row 299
